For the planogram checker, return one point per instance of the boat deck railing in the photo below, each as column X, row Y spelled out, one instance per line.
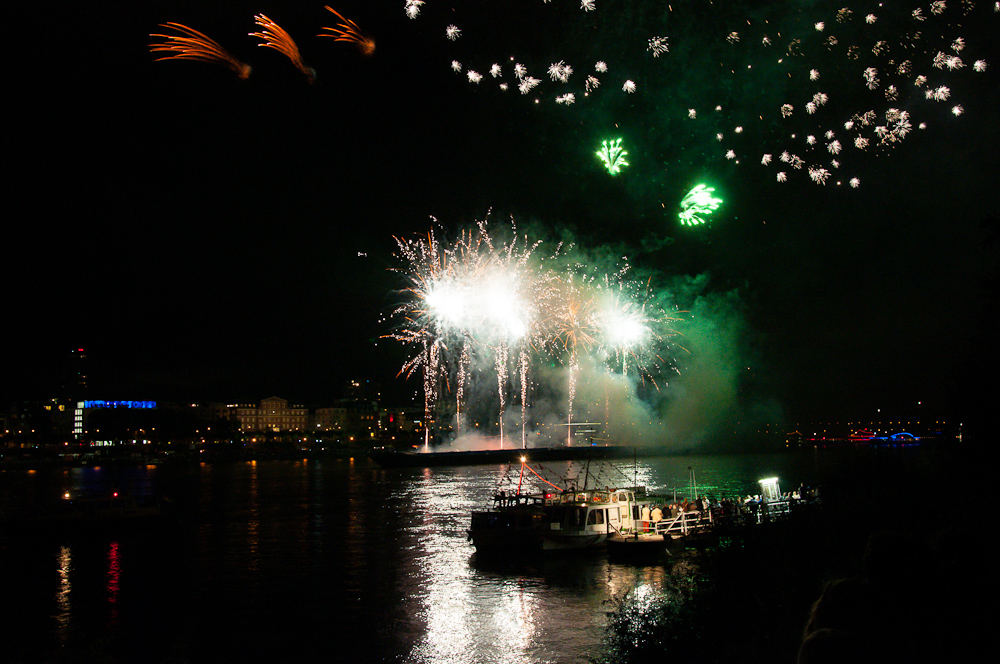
column 684, row 524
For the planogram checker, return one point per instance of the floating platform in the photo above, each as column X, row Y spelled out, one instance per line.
column 395, row 459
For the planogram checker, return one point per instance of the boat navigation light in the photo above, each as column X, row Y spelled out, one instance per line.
column 66, row 496
column 523, row 459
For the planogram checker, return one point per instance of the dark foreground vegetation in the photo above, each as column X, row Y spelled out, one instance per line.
column 893, row 569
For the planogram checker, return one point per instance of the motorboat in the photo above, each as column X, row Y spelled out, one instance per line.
column 557, row 519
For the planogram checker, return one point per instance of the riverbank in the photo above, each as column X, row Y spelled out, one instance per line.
column 896, row 555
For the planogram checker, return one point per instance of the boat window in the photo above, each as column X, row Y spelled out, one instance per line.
column 600, row 498
column 574, row 517
column 595, row 517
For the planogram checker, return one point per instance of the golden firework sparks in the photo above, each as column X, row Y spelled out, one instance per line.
column 193, row 45
column 348, row 31
column 275, row 37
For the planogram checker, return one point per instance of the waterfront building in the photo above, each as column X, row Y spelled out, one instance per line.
column 272, row 414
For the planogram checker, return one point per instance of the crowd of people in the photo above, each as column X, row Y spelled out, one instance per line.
column 725, row 510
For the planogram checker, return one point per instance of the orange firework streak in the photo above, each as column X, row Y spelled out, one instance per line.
column 350, row 32
column 275, row 37
column 196, row 46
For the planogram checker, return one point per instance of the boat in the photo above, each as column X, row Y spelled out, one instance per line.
column 390, row 458
column 556, row 519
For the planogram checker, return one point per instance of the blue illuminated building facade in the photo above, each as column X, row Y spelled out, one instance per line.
column 83, row 408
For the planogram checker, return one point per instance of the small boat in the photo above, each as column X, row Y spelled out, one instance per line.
column 560, row 519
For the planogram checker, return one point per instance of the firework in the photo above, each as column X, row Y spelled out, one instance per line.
column 478, row 302
column 275, row 37
column 193, row 45
column 348, row 31
column 767, row 73
column 613, row 156
column 699, row 202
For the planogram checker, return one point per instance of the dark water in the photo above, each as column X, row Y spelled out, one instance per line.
column 314, row 560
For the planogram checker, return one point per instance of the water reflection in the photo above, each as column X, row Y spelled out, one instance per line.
column 63, row 609
column 114, row 574
column 472, row 610
column 253, row 522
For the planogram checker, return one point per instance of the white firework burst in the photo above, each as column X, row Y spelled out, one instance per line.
column 503, row 86
column 810, row 108
column 785, row 157
column 811, row 140
column 730, row 154
column 979, row 65
column 958, row 45
column 591, row 83
column 813, row 75
column 658, row 45
column 629, row 87
column 918, row 15
column 567, row 98
column 693, row 114
column 587, row 5
column 938, row 7
column 920, row 81
column 819, row 175
column 560, row 71
column 871, row 18
column 820, row 26
column 957, row 110
column 765, row 160
column 855, row 183
column 452, row 32
column 495, row 71
column 829, row 134
column 786, row 110
column 456, row 65
column 781, row 177
column 520, row 70
column 600, row 67
column 820, row 98
column 733, row 37
column 719, row 137
column 861, row 142
column 941, row 93
column 527, row 83
column 413, row 8
column 871, row 77
column 834, row 147
column 474, row 76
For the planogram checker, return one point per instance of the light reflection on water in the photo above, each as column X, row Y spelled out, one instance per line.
column 296, row 554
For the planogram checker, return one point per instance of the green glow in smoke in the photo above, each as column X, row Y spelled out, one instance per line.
column 699, row 201
column 613, row 156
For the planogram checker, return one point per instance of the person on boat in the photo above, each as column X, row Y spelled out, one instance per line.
column 645, row 518
column 656, row 515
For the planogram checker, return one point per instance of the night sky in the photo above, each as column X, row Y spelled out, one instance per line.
column 209, row 238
